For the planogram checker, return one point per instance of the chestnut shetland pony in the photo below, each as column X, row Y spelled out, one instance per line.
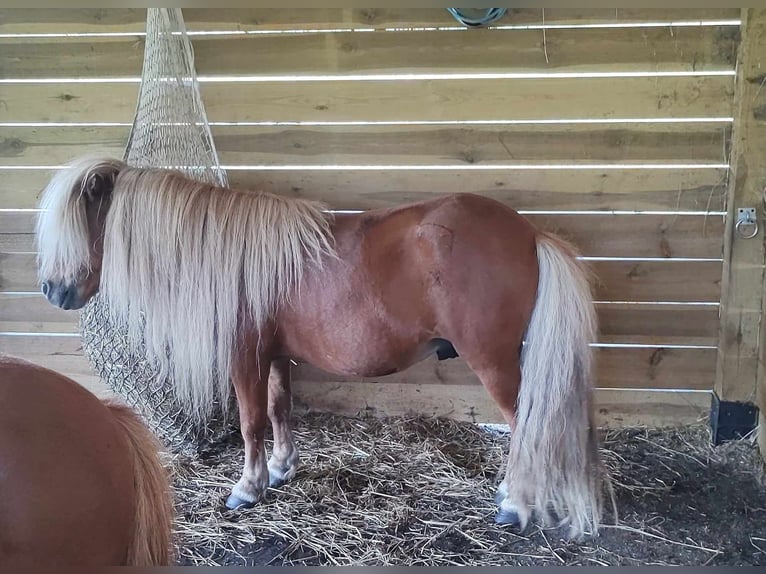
column 226, row 285
column 80, row 479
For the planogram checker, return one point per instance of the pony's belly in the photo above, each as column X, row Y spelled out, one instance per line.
column 372, row 361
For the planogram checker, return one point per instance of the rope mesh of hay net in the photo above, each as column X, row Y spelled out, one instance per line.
column 170, row 129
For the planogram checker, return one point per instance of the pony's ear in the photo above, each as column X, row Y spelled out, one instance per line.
column 100, row 182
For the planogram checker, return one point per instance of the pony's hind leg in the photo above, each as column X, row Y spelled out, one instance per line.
column 250, row 379
column 284, row 456
column 502, row 381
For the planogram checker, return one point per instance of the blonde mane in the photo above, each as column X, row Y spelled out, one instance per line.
column 62, row 228
column 185, row 261
column 182, row 257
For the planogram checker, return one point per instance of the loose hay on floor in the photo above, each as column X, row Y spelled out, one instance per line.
column 417, row 491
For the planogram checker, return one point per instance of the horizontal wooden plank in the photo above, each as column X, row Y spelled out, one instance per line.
column 17, row 231
column 399, row 145
column 639, row 235
column 16, row 242
column 71, row 20
column 614, row 408
column 595, row 235
column 33, row 314
column 468, row 144
column 82, row 20
column 18, row 272
column 345, row 100
column 627, row 323
column 609, row 189
column 631, row 49
column 621, row 189
column 680, row 322
column 36, row 327
column 658, row 280
column 637, row 368
column 41, row 345
column 381, row 18
column 57, row 145
column 17, row 222
column 471, row 99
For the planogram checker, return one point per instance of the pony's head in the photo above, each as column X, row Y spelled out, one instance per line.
column 70, row 230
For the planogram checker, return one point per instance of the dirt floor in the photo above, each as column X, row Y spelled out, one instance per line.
column 420, row 491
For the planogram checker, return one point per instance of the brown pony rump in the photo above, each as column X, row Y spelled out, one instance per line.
column 84, row 485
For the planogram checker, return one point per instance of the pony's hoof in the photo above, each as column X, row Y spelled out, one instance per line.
column 276, row 481
column 234, row 502
column 508, row 517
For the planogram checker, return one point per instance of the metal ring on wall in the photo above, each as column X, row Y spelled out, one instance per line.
column 744, row 222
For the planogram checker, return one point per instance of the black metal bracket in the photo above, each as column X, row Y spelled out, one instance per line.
column 731, row 420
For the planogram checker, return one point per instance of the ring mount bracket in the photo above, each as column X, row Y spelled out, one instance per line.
column 747, row 224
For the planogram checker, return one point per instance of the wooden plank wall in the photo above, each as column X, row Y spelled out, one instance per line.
column 632, row 168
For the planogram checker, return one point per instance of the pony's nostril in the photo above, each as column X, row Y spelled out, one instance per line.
column 45, row 287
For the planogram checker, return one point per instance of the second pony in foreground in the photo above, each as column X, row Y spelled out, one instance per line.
column 227, row 286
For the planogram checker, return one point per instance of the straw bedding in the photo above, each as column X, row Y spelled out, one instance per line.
column 418, row 491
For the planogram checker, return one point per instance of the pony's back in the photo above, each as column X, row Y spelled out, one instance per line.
column 74, row 474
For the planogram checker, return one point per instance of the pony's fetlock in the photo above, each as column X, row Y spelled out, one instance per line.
column 283, row 470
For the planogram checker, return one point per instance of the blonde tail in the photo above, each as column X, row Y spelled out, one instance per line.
column 554, row 464
column 151, row 540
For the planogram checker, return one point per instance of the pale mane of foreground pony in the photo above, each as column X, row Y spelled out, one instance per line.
column 62, row 228
column 183, row 259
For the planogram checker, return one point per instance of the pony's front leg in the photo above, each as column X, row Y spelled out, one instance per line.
column 284, row 457
column 251, row 385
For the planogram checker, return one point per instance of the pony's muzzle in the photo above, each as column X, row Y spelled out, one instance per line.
column 62, row 295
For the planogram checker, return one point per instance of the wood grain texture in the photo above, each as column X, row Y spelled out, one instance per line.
column 347, row 100
column 31, row 313
column 679, row 322
column 79, row 20
column 619, row 189
column 623, row 49
column 614, row 408
column 400, row 145
column 472, row 99
column 471, row 144
column 638, row 235
column 600, row 190
column 58, row 345
column 742, row 330
column 657, row 280
column 59, row 145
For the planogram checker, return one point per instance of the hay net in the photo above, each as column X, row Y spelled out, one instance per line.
column 170, row 129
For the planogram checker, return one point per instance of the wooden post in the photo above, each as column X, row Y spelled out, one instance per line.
column 740, row 370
